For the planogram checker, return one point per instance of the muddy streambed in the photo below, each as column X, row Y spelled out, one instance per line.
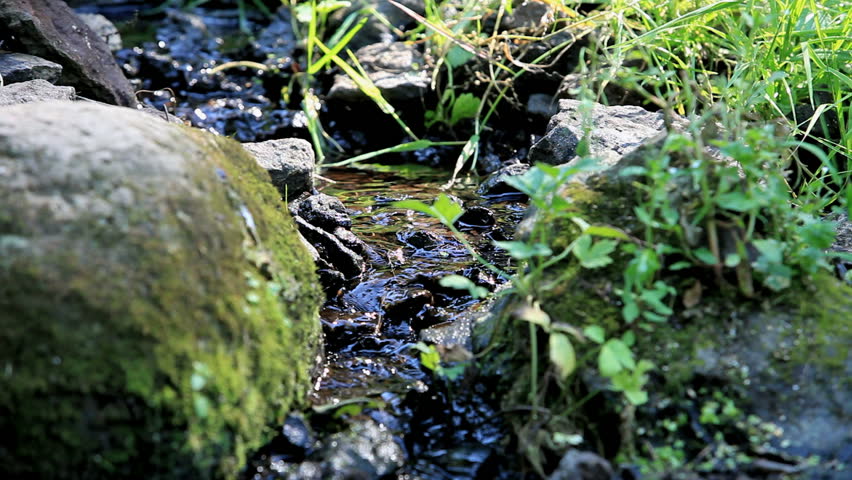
column 376, row 410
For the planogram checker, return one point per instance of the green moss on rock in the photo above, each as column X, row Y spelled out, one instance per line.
column 157, row 309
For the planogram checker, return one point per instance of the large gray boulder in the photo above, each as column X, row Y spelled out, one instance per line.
column 612, row 132
column 34, row 91
column 157, row 307
column 50, row 29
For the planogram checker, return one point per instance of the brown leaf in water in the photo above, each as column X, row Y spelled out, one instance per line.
column 692, row 296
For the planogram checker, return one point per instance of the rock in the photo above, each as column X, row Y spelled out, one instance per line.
column 324, row 211
column 157, row 309
column 577, row 465
column 20, row 67
column 289, row 161
column 377, row 29
column 615, row 132
column 542, row 105
column 276, row 43
column 366, row 450
column 530, row 14
column 397, row 69
column 420, row 239
column 351, row 240
column 34, row 91
column 476, row 216
column 104, row 28
column 403, row 305
column 332, row 250
column 495, row 184
column 50, row 29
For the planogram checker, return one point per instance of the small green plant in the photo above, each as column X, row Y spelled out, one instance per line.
column 430, row 358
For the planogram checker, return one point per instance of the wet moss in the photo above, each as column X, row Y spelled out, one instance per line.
column 163, row 344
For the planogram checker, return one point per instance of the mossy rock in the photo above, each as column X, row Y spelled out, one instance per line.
column 157, row 310
column 739, row 382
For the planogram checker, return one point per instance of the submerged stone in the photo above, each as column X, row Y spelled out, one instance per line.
column 157, row 309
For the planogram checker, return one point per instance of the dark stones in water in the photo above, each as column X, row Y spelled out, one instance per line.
column 407, row 304
column 324, row 211
column 476, row 217
column 495, row 184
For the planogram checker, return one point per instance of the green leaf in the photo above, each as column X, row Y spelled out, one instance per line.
column 533, row 314
column 201, row 405
column 459, row 282
column 737, row 201
column 679, row 265
column 772, row 250
column 523, row 251
column 465, row 106
column 630, row 312
column 593, row 255
column 197, row 381
column 636, row 397
column 705, row 256
column 622, row 352
column 595, row 333
column 732, row 260
column 444, row 209
column 609, row 232
column 608, row 363
column 562, row 354
column 457, row 56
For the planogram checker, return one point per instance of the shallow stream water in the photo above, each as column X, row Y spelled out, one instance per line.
column 373, row 378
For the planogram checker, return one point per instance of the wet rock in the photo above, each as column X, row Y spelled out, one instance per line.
column 477, row 216
column 149, row 283
column 615, row 132
column 530, row 14
column 798, row 378
column 495, row 184
column 50, row 29
column 20, row 67
column 397, row 69
column 577, row 465
column 405, row 304
column 104, row 28
column 290, row 163
column 342, row 331
column 332, row 250
column 276, row 42
column 295, row 440
column 350, row 240
column 367, row 450
column 542, row 105
column 34, row 91
column 421, row 239
column 324, row 211
column 843, row 244
column 376, row 30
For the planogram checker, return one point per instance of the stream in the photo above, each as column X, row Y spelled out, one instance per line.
column 376, row 410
